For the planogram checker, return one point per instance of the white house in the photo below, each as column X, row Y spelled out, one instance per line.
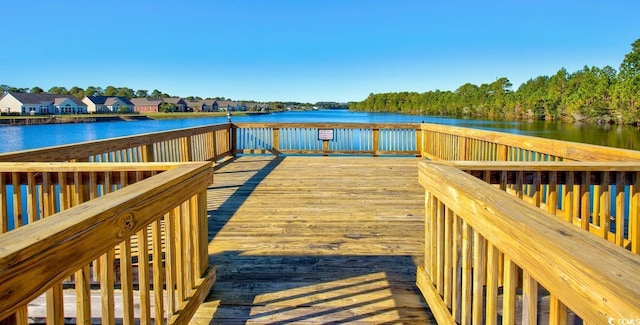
column 27, row 104
column 107, row 104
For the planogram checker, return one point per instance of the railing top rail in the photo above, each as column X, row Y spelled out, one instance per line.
column 593, row 277
column 566, row 149
column 84, row 149
column 81, row 234
column 598, row 166
column 415, row 126
column 40, row 167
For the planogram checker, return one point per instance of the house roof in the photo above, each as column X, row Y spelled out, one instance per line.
column 174, row 100
column 201, row 102
column 225, row 103
column 28, row 98
column 108, row 100
column 146, row 101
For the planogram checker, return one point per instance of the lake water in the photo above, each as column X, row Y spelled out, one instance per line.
column 37, row 136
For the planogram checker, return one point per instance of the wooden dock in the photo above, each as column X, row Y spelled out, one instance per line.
column 315, row 240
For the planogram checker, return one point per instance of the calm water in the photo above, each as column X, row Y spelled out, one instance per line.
column 36, row 136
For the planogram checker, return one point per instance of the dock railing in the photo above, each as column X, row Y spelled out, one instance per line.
column 205, row 143
column 132, row 233
column 600, row 197
column 441, row 142
column 486, row 252
column 327, row 138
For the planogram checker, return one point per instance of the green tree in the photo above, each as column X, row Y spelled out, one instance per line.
column 111, row 91
column 628, row 87
column 123, row 109
column 93, row 91
column 125, row 92
column 36, row 90
column 141, row 93
column 167, row 107
column 77, row 92
column 58, row 90
column 156, row 93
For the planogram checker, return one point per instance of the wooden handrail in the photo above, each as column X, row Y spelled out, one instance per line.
column 73, row 238
column 470, row 224
column 442, row 142
column 600, row 197
column 119, row 146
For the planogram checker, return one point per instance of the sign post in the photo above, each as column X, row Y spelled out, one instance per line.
column 325, row 135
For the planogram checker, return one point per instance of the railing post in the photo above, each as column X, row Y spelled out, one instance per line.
column 418, row 142
column 464, row 155
column 503, row 152
column 147, row 153
column 232, row 139
column 276, row 141
column 376, row 142
column 187, row 149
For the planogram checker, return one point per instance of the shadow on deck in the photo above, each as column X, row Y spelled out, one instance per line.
column 315, row 240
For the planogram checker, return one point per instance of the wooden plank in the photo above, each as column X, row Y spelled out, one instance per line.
column 328, row 245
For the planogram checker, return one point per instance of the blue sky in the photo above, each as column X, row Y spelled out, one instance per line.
column 306, row 50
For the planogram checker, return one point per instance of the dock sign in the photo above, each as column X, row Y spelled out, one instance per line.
column 325, row 134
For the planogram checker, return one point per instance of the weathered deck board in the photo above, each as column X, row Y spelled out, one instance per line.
column 315, row 240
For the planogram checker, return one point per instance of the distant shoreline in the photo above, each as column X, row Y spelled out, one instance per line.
column 91, row 118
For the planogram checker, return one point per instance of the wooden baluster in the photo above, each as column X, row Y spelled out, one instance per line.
column 158, row 293
column 203, row 227
column 456, row 264
column 492, row 285
column 467, row 284
column 180, row 255
column 143, row 276
column 509, row 291
column 32, row 209
column 568, row 200
column 605, row 203
column 634, row 213
column 529, row 299
column 585, row 201
column 448, row 257
column 4, row 200
column 552, row 193
column 54, row 296
column 107, row 280
column 558, row 312
column 479, row 276
column 170, row 259
column 537, row 188
column 17, row 200
column 439, row 278
column 126, row 281
column 620, row 208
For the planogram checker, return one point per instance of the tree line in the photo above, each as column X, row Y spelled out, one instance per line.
column 593, row 94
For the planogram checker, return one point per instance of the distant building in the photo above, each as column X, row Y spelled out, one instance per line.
column 107, row 104
column 231, row 106
column 32, row 104
column 146, row 105
column 207, row 105
column 181, row 104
